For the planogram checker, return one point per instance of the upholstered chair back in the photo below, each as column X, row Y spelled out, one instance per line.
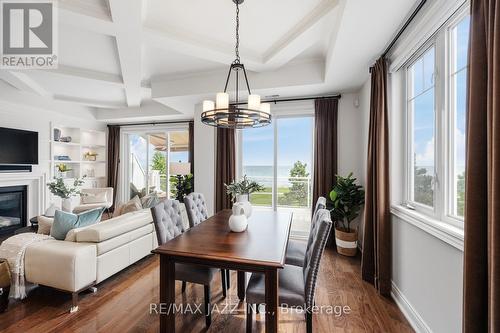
column 167, row 220
column 318, row 237
column 320, row 204
column 196, row 208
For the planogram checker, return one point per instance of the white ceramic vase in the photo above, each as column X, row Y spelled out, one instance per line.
column 238, row 221
column 247, row 206
column 67, row 205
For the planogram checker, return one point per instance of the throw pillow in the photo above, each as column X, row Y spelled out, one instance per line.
column 150, row 200
column 133, row 205
column 118, row 209
column 64, row 221
column 92, row 198
column 44, row 224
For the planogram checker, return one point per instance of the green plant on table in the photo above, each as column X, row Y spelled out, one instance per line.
column 242, row 187
column 347, row 198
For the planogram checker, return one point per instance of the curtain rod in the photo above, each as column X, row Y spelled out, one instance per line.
column 275, row 101
column 153, row 123
column 404, row 27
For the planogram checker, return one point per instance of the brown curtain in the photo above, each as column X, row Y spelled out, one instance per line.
column 481, row 305
column 113, row 158
column 191, row 146
column 376, row 255
column 325, row 147
column 225, row 168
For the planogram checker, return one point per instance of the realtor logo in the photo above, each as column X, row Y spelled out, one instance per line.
column 28, row 34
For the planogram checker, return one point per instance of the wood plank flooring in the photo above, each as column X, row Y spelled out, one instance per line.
column 122, row 304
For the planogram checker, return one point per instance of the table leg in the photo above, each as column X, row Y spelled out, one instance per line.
column 272, row 301
column 242, row 284
column 167, row 294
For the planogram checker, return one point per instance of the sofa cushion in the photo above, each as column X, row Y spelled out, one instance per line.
column 133, row 205
column 44, row 224
column 93, row 198
column 114, row 227
column 64, row 221
column 113, row 243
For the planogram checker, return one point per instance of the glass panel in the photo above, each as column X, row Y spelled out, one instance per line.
column 460, row 40
column 157, row 164
column 137, row 164
column 179, row 152
column 258, row 161
column 416, row 78
column 294, row 169
column 423, row 129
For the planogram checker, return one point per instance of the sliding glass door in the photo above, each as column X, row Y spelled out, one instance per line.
column 146, row 158
column 279, row 157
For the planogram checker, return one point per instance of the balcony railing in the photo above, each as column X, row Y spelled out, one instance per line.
column 295, row 192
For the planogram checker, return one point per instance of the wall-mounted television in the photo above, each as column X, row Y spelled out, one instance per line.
column 18, row 147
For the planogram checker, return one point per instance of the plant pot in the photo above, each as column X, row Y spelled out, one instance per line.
column 247, row 206
column 67, row 205
column 347, row 242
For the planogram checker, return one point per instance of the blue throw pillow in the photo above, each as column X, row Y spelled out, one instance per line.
column 64, row 221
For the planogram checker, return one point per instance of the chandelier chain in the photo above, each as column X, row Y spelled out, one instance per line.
column 237, row 48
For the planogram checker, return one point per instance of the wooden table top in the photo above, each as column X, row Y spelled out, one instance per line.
column 262, row 244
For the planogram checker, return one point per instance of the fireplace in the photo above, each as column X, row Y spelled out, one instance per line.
column 13, row 208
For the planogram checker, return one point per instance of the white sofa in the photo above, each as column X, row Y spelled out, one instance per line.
column 97, row 252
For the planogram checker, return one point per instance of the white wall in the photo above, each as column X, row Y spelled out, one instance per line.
column 204, row 159
column 39, row 120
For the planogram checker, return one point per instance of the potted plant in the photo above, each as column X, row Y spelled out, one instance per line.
column 240, row 192
column 347, row 197
column 59, row 188
column 63, row 170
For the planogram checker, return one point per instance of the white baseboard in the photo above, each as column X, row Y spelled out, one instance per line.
column 413, row 317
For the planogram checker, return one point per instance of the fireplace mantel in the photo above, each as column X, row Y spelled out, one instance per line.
column 37, row 193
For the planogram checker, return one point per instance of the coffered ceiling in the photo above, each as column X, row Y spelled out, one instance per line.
column 140, row 60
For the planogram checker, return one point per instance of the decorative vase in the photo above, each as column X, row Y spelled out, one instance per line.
column 67, row 205
column 247, row 206
column 238, row 220
column 347, row 242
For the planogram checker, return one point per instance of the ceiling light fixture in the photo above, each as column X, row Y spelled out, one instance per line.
column 235, row 115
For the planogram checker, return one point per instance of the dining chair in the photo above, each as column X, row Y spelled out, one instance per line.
column 168, row 225
column 197, row 212
column 296, row 249
column 296, row 284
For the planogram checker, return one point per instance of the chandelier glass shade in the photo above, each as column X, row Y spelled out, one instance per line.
column 224, row 114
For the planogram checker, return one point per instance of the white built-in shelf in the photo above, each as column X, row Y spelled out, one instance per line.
column 82, row 141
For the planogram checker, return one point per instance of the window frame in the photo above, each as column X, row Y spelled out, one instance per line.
column 444, row 135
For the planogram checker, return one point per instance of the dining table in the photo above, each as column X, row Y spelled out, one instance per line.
column 261, row 248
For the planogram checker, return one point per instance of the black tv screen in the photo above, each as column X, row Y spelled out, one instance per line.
column 18, row 146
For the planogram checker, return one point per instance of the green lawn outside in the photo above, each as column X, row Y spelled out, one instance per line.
column 264, row 198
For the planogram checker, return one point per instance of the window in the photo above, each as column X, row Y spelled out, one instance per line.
column 279, row 157
column 436, row 115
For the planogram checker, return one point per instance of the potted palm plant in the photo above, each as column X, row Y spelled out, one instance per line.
column 347, row 198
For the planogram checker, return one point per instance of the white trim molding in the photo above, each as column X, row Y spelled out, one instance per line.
column 413, row 317
column 441, row 230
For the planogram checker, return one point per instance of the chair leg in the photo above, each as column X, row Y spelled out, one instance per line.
column 249, row 317
column 228, row 278
column 223, row 278
column 184, row 286
column 309, row 322
column 208, row 311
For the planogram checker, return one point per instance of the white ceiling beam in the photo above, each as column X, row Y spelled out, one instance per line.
column 146, row 112
column 169, row 38
column 294, row 74
column 303, row 35
column 86, row 74
column 72, row 17
column 89, row 102
column 127, row 16
column 333, row 38
column 23, row 82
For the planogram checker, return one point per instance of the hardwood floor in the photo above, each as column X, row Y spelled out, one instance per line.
column 122, row 304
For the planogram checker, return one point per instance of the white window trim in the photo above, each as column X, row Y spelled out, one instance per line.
column 441, row 217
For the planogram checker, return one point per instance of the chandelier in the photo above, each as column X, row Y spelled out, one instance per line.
column 237, row 115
